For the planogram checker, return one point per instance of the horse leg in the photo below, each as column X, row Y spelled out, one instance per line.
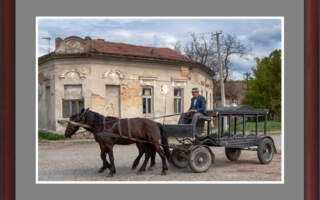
column 163, row 159
column 146, row 150
column 105, row 163
column 153, row 159
column 137, row 160
column 109, row 149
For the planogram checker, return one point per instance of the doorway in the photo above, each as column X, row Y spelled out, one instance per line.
column 112, row 105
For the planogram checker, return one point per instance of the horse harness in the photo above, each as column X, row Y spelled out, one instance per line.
column 129, row 137
column 119, row 128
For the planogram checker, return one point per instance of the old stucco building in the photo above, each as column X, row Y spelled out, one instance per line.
column 116, row 79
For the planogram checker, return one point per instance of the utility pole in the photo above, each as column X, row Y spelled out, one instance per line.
column 223, row 97
column 247, row 75
column 47, row 38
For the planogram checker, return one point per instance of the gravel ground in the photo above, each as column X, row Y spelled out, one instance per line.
column 74, row 160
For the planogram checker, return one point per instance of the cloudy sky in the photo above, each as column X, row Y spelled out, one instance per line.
column 261, row 35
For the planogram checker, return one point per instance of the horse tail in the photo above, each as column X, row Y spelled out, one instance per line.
column 164, row 141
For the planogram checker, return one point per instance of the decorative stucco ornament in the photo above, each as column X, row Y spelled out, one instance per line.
column 164, row 89
column 73, row 74
column 114, row 75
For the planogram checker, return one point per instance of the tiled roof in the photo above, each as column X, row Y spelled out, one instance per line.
column 139, row 51
column 90, row 48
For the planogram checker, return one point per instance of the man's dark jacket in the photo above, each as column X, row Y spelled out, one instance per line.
column 200, row 104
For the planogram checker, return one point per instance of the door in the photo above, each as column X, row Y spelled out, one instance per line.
column 113, row 100
column 48, row 107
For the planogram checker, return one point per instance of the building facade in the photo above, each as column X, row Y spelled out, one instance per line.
column 116, row 79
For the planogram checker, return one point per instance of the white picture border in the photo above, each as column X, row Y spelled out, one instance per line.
column 166, row 182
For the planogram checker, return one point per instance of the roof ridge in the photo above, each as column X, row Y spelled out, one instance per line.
column 134, row 45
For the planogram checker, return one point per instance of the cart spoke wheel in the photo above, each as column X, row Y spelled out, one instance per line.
column 179, row 158
column 233, row 154
column 265, row 151
column 200, row 159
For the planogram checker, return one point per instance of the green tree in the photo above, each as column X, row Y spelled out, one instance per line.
column 264, row 88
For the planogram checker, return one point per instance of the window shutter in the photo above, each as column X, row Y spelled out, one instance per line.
column 81, row 105
column 65, row 108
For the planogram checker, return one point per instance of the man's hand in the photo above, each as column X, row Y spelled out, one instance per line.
column 192, row 111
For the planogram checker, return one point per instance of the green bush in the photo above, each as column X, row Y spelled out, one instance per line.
column 50, row 136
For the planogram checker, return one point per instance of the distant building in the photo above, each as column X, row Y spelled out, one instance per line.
column 234, row 93
column 116, row 79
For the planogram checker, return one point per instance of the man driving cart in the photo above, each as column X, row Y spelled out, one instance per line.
column 196, row 111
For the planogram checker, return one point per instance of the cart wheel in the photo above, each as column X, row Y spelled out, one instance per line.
column 179, row 158
column 265, row 151
column 232, row 154
column 200, row 159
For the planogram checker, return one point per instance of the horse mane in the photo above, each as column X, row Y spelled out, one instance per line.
column 98, row 118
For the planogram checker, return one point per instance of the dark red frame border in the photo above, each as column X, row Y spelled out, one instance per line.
column 7, row 89
column 7, row 100
column 311, row 97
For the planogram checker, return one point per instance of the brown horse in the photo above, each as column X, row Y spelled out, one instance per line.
column 142, row 148
column 109, row 131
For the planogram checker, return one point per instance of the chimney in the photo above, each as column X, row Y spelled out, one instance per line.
column 58, row 42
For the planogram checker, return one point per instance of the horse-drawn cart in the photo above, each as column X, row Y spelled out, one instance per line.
column 194, row 150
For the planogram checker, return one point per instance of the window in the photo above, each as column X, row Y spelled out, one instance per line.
column 73, row 100
column 207, row 100
column 211, row 103
column 147, row 100
column 178, row 100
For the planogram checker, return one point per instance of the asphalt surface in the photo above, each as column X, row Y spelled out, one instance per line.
column 79, row 160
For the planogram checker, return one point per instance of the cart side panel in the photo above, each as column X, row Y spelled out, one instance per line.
column 179, row 130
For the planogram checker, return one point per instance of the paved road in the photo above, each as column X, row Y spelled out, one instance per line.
column 80, row 161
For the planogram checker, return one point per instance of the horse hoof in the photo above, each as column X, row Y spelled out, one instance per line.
column 101, row 170
column 133, row 167
column 139, row 172
column 163, row 173
column 110, row 175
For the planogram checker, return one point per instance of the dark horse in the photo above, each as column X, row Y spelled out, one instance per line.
column 109, row 131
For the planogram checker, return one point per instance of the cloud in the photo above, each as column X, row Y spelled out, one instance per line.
column 123, row 33
column 235, row 75
column 265, row 36
column 243, row 63
column 262, row 35
column 145, row 38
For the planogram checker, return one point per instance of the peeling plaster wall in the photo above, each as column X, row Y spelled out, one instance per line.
column 131, row 77
column 46, row 97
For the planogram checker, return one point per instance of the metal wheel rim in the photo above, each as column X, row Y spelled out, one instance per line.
column 179, row 160
column 201, row 159
column 267, row 152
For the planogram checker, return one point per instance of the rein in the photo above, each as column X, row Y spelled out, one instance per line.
column 117, row 122
column 109, row 133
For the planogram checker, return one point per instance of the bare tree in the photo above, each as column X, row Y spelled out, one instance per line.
column 233, row 89
column 178, row 47
column 203, row 49
column 230, row 45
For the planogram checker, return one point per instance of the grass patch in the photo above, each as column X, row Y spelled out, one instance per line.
column 251, row 126
column 49, row 136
